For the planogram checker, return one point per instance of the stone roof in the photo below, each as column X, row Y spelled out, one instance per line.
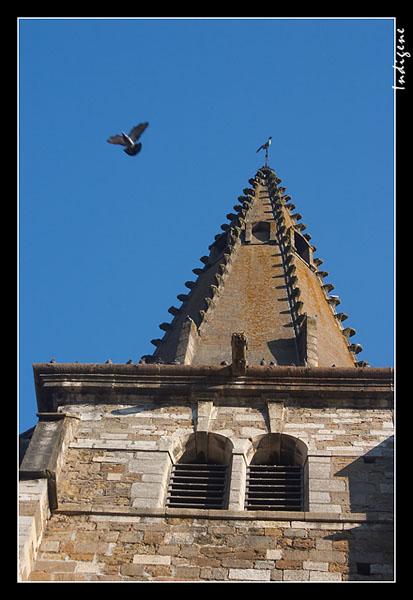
column 260, row 279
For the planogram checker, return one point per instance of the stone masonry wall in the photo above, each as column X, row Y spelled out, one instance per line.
column 112, row 524
column 150, row 548
column 33, row 514
column 122, row 455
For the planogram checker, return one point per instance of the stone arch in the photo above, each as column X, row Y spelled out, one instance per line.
column 205, row 447
column 277, row 474
column 278, row 449
column 200, row 477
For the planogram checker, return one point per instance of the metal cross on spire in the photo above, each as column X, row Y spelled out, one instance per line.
column 265, row 147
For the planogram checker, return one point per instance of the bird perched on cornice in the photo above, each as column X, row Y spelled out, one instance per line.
column 130, row 141
column 266, row 145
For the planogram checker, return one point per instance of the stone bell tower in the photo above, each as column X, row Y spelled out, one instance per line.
column 252, row 446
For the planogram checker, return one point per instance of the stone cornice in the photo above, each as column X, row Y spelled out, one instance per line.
column 105, row 381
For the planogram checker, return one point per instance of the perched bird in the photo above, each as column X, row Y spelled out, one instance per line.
column 130, row 141
column 263, row 362
column 266, row 145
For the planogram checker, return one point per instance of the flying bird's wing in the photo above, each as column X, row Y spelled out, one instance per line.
column 134, row 150
column 117, row 139
column 137, row 131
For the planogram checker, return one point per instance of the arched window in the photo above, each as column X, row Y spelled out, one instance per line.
column 200, row 477
column 276, row 474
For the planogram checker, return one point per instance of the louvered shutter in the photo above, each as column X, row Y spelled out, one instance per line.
column 274, row 487
column 197, row 486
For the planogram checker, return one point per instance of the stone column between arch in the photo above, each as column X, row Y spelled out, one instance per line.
column 238, row 475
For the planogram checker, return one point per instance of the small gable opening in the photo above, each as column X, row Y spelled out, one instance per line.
column 261, row 232
column 302, row 247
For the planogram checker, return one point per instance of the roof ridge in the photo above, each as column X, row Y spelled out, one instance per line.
column 278, row 199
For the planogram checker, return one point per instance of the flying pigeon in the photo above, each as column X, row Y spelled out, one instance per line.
column 266, row 145
column 130, row 141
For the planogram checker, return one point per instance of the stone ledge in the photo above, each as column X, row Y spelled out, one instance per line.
column 208, row 370
column 123, row 511
column 360, row 385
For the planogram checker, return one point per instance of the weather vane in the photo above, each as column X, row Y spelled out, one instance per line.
column 265, row 147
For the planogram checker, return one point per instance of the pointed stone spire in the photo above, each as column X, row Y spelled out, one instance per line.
column 262, row 279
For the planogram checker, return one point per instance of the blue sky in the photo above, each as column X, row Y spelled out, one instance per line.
column 106, row 241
